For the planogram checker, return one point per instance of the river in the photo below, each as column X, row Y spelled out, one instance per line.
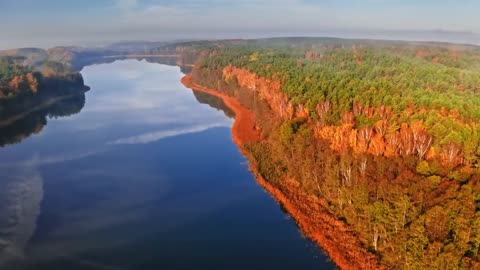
column 140, row 173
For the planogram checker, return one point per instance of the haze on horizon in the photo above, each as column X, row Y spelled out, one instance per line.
column 47, row 23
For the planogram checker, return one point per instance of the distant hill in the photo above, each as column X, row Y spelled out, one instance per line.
column 33, row 56
column 70, row 58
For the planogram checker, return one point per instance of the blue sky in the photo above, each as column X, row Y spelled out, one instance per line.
column 54, row 22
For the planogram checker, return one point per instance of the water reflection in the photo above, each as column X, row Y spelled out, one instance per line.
column 164, row 60
column 20, row 198
column 21, row 185
column 214, row 102
column 146, row 97
column 143, row 104
column 130, row 101
column 19, row 121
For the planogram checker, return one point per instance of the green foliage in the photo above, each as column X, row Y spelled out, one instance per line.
column 9, row 71
column 268, row 168
column 434, row 180
column 17, row 80
column 423, row 168
column 287, row 132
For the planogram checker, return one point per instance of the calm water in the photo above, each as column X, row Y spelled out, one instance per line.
column 145, row 176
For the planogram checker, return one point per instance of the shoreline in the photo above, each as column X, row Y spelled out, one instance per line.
column 243, row 129
column 335, row 239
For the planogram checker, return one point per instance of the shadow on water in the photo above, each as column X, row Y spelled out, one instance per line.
column 214, row 102
column 19, row 119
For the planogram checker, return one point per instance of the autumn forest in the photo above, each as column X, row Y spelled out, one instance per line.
column 384, row 135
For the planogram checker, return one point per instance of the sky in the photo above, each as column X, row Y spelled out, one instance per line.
column 46, row 23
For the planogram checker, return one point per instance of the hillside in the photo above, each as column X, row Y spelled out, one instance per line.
column 384, row 135
column 60, row 59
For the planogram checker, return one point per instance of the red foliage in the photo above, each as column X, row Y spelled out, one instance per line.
column 267, row 89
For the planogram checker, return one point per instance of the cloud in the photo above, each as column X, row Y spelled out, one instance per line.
column 37, row 160
column 21, row 194
column 163, row 134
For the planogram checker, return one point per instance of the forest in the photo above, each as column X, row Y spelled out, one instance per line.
column 386, row 134
column 28, row 96
column 17, row 79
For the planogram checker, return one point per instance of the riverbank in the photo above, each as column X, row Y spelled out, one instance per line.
column 309, row 212
column 244, row 129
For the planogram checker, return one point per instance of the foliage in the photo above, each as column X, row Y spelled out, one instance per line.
column 17, row 80
column 391, row 139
